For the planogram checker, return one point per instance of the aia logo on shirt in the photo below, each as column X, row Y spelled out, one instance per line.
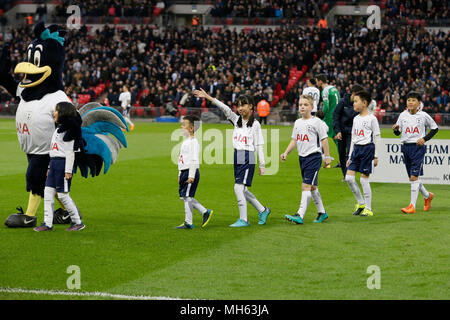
column 302, row 137
column 22, row 128
column 240, row 138
column 412, row 130
column 55, row 146
column 359, row 133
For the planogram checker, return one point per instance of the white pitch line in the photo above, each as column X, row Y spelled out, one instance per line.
column 83, row 294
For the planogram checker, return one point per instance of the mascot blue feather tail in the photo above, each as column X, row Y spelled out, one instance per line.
column 102, row 130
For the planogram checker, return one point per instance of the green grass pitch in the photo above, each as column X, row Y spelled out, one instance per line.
column 130, row 246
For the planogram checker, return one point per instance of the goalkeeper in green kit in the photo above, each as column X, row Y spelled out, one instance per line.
column 330, row 98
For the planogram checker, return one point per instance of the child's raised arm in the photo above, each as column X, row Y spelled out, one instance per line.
column 222, row 106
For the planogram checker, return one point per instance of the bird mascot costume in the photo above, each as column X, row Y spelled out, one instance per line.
column 40, row 89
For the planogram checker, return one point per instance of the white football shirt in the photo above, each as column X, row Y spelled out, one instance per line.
column 308, row 134
column 34, row 122
column 189, row 156
column 414, row 126
column 364, row 129
column 244, row 138
column 62, row 149
column 125, row 99
column 315, row 93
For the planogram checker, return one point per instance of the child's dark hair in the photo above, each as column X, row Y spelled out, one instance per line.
column 321, row 77
column 242, row 100
column 66, row 110
column 320, row 114
column 69, row 121
column 414, row 95
column 193, row 121
column 365, row 96
column 357, row 88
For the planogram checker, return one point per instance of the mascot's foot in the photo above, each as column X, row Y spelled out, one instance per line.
column 61, row 216
column 20, row 220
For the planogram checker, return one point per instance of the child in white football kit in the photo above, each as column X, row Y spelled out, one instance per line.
column 65, row 140
column 125, row 102
column 363, row 154
column 313, row 91
column 247, row 139
column 189, row 174
column 412, row 124
column 309, row 135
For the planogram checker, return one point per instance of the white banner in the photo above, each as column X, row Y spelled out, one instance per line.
column 391, row 166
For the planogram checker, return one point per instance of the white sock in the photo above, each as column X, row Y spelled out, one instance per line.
column 49, row 205
column 252, row 199
column 127, row 119
column 197, row 205
column 424, row 191
column 242, row 202
column 70, row 206
column 365, row 184
column 306, row 198
column 354, row 188
column 318, row 200
column 414, row 191
column 188, row 208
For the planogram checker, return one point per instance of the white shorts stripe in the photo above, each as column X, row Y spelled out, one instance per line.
column 314, row 178
column 245, row 176
column 188, row 189
column 66, row 185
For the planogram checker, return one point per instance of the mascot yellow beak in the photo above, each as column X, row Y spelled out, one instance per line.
column 29, row 68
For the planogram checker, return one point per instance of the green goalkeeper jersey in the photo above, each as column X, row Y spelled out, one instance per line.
column 330, row 97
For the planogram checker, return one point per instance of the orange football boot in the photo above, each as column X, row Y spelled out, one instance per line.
column 409, row 209
column 427, row 202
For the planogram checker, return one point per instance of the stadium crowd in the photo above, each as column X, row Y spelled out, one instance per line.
column 417, row 9
column 162, row 69
column 389, row 63
column 111, row 8
column 270, row 9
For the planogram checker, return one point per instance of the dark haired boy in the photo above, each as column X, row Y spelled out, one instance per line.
column 363, row 154
column 411, row 125
column 189, row 174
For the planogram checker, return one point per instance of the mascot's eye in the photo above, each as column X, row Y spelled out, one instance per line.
column 37, row 58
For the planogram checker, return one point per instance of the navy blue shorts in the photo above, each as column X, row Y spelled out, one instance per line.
column 56, row 175
column 244, row 167
column 362, row 157
column 188, row 189
column 309, row 167
column 414, row 156
column 37, row 173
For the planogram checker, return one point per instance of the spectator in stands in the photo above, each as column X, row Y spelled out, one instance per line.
column 41, row 12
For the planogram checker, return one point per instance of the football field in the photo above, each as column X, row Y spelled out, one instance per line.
column 130, row 248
